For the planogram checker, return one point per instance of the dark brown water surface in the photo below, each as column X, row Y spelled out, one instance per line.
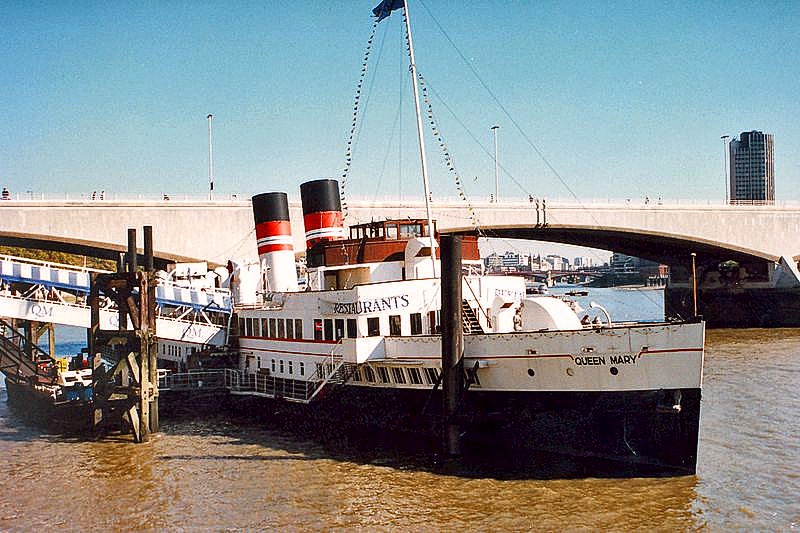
column 233, row 474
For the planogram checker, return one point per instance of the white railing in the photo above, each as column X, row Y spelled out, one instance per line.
column 242, row 199
column 196, row 380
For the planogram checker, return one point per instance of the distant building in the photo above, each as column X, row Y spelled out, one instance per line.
column 627, row 269
column 556, row 262
column 510, row 260
column 752, row 168
column 493, row 261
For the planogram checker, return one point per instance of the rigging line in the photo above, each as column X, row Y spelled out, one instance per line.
column 368, row 95
column 356, row 104
column 388, row 149
column 502, row 107
column 448, row 159
column 236, row 246
column 477, row 141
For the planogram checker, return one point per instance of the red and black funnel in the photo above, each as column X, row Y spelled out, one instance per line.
column 322, row 211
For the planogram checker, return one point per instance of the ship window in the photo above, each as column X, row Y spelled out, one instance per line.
column 281, row 365
column 399, row 375
column 416, row 323
column 369, row 374
column 391, row 232
column 241, row 326
column 264, row 328
column 272, row 328
column 352, row 329
column 291, row 367
column 328, row 329
column 302, row 368
column 256, row 331
column 281, row 328
column 373, row 326
column 414, row 376
column 433, row 321
column 433, row 375
column 339, row 328
column 289, row 328
column 298, row 328
column 318, row 329
column 394, row 325
column 356, row 375
column 273, row 365
column 383, row 372
column 408, row 231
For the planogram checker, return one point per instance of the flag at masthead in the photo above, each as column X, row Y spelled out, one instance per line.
column 385, row 8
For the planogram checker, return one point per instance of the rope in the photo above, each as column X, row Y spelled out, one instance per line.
column 348, row 153
column 448, row 160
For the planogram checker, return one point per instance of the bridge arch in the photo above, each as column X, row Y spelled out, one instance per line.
column 669, row 249
column 89, row 248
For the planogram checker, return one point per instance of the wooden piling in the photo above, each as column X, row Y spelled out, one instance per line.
column 129, row 390
column 452, row 342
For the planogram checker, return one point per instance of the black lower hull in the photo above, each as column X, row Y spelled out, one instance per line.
column 736, row 307
column 37, row 406
column 624, row 433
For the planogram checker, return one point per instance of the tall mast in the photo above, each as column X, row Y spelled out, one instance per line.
column 420, row 135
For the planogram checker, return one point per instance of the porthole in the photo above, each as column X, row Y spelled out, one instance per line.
column 531, row 373
column 614, row 371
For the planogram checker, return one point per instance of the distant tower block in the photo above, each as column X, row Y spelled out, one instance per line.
column 274, row 238
column 752, row 168
column 322, row 211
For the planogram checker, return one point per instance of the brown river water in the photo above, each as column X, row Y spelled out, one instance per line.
column 224, row 473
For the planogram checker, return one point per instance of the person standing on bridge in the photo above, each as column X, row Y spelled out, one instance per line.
column 6, row 194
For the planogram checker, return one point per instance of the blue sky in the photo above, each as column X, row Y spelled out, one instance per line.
column 624, row 99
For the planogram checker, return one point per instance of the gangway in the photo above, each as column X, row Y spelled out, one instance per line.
column 41, row 276
column 56, row 293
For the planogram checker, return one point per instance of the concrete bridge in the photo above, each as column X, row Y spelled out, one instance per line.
column 219, row 230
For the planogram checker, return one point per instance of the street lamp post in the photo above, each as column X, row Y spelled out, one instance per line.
column 496, row 166
column 210, row 161
column 725, row 171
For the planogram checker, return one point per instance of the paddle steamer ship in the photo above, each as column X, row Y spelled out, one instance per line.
column 361, row 346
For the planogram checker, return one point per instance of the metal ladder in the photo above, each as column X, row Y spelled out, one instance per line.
column 469, row 320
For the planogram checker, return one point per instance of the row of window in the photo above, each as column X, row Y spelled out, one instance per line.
column 176, row 350
column 399, row 375
column 333, row 329
column 287, row 368
column 276, row 328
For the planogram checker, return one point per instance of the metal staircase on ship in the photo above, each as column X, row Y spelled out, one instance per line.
column 21, row 360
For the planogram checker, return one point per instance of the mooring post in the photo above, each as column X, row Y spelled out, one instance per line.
column 95, row 361
column 132, row 259
column 151, row 341
column 452, row 342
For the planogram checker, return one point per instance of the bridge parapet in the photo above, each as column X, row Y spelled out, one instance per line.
column 219, row 230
